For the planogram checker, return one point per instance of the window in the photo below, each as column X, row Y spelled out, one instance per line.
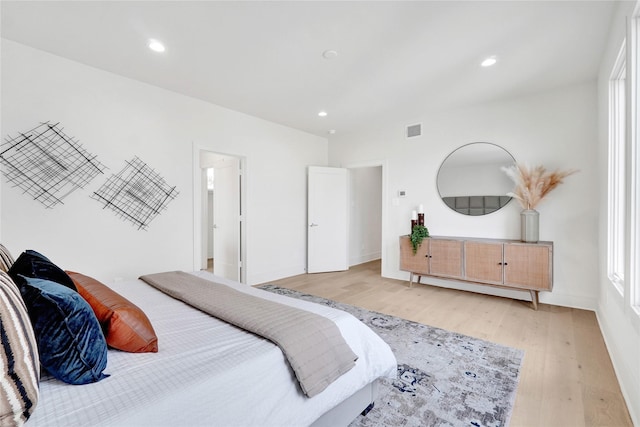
column 617, row 187
column 634, row 160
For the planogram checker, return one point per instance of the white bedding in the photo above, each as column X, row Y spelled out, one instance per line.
column 207, row 372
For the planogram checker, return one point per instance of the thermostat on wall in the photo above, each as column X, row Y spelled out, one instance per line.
column 402, row 193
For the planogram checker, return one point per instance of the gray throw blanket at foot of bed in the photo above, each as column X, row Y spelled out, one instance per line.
column 312, row 343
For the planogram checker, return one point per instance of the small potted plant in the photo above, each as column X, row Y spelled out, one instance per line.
column 418, row 233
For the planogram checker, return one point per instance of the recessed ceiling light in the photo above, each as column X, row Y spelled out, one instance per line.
column 331, row 131
column 156, row 45
column 329, row 54
column 488, row 62
column 322, row 114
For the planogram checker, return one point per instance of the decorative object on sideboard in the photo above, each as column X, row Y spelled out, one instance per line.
column 47, row 164
column 529, row 225
column 532, row 186
column 414, row 220
column 418, row 230
column 136, row 194
column 417, row 217
column 418, row 234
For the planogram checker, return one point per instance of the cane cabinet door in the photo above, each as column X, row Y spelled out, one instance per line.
column 445, row 258
column 528, row 266
column 417, row 263
column 483, row 262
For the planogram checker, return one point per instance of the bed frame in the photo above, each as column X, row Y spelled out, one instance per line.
column 342, row 415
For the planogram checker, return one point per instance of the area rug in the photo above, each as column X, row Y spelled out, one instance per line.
column 444, row 378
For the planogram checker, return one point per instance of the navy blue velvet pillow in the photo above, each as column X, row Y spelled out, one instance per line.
column 71, row 345
column 33, row 264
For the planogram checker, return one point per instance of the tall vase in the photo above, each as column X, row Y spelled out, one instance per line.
column 529, row 225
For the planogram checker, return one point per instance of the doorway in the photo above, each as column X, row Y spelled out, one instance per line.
column 365, row 214
column 209, row 229
column 221, row 246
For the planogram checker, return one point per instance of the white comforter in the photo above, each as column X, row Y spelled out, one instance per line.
column 207, row 373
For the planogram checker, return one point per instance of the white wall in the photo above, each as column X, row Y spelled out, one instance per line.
column 620, row 325
column 557, row 129
column 365, row 211
column 117, row 118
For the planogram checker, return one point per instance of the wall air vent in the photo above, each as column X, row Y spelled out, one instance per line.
column 414, row 130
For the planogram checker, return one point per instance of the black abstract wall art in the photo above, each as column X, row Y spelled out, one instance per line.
column 47, row 164
column 137, row 193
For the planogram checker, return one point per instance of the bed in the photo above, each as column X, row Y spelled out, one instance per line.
column 208, row 372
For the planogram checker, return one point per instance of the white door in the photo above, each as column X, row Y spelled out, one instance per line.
column 226, row 214
column 327, row 220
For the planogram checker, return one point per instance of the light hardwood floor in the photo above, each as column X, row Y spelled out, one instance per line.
column 566, row 378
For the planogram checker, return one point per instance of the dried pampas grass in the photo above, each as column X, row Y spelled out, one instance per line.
column 533, row 184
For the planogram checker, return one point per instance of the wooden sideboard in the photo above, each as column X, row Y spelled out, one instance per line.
column 509, row 264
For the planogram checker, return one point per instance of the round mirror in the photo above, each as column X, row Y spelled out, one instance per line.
column 470, row 180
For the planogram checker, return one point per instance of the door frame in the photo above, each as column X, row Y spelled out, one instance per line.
column 199, row 206
column 384, row 270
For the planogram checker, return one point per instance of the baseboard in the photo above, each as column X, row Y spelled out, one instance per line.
column 268, row 276
column 361, row 259
column 569, row 300
column 627, row 386
column 553, row 298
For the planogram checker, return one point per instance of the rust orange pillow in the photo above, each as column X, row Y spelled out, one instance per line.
column 125, row 325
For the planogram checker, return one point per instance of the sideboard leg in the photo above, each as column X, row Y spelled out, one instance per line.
column 534, row 299
column 410, row 279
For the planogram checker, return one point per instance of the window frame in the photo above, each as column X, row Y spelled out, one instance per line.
column 633, row 161
column 617, row 194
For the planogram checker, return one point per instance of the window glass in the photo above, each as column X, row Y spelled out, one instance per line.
column 617, row 187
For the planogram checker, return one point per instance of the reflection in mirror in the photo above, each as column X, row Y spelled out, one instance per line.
column 470, row 180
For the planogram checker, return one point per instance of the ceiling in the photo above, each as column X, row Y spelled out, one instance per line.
column 397, row 61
